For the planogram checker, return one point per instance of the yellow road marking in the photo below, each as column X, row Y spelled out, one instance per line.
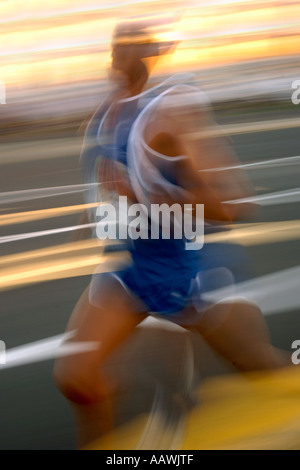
column 52, row 251
column 260, row 411
column 256, row 411
column 256, row 234
column 29, row 216
column 65, row 267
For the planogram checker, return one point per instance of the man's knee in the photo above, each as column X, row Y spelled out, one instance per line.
column 78, row 384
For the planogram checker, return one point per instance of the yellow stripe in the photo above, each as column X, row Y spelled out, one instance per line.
column 256, row 234
column 71, row 266
column 62, row 261
column 29, row 216
column 238, row 413
column 257, row 411
column 83, row 245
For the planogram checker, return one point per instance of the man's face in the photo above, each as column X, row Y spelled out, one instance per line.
column 124, row 57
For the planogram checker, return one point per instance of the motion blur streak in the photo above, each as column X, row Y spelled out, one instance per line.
column 51, row 251
column 60, row 269
column 43, row 233
column 273, row 293
column 252, row 234
column 256, row 165
column 29, row 216
column 39, row 193
column 280, row 197
column 246, row 128
column 44, row 350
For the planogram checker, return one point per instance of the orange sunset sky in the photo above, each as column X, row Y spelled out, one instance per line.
column 68, row 40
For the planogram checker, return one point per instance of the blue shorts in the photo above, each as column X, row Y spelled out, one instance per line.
column 165, row 285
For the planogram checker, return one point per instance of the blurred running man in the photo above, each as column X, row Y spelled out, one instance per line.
column 155, row 146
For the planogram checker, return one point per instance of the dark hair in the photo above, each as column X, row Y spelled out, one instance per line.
column 138, row 32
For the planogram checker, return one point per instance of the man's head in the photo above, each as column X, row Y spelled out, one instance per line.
column 134, row 41
column 129, row 46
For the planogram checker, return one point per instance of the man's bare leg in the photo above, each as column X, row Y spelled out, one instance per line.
column 238, row 332
column 79, row 376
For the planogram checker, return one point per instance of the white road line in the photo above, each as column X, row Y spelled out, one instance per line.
column 274, row 162
column 280, row 197
column 45, row 349
column 44, row 233
column 37, row 193
column 274, row 293
column 245, row 128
